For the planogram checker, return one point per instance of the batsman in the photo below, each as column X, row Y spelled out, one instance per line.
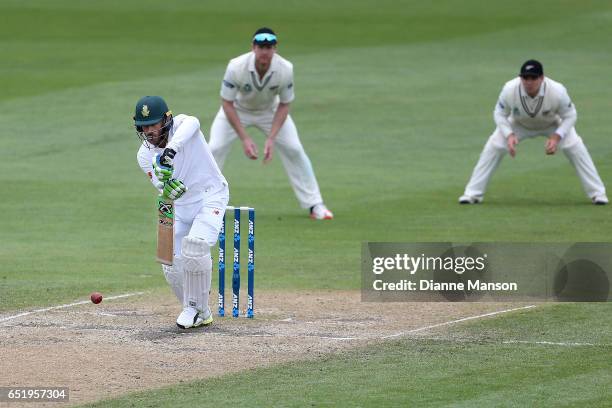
column 179, row 163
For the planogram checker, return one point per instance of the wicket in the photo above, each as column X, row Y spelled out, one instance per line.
column 236, row 263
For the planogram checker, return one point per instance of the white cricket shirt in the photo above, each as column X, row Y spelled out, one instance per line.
column 242, row 85
column 194, row 163
column 552, row 107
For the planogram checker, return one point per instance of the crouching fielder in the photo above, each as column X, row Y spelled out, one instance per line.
column 180, row 165
column 529, row 106
column 257, row 90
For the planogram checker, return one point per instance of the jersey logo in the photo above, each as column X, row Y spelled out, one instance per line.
column 274, row 88
column 247, row 88
column 228, row 84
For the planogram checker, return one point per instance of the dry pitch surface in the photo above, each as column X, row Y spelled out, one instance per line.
column 131, row 344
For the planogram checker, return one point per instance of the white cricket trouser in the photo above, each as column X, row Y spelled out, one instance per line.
column 202, row 219
column 287, row 144
column 571, row 145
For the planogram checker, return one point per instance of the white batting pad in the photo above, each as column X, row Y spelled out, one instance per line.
column 175, row 280
column 196, row 264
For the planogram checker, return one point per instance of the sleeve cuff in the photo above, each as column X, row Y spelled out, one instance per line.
column 506, row 131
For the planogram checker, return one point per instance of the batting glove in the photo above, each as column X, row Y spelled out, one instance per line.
column 162, row 171
column 174, row 189
column 167, row 157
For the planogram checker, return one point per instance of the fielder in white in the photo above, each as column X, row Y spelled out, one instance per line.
column 257, row 90
column 534, row 105
column 175, row 156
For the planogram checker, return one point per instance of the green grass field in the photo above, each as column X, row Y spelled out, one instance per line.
column 483, row 369
column 394, row 101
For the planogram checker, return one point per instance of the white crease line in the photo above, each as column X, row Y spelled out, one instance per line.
column 46, row 309
column 551, row 343
column 420, row 329
column 340, row 338
column 294, row 336
column 408, row 331
column 107, row 314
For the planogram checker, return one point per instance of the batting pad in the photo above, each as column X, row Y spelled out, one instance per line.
column 196, row 264
column 174, row 279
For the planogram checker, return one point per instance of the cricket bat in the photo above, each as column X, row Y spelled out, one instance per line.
column 165, row 230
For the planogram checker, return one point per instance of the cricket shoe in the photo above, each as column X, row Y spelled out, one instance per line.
column 191, row 317
column 600, row 199
column 466, row 199
column 320, row 212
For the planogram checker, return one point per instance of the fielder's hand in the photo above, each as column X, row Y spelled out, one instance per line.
column 174, row 189
column 250, row 148
column 512, row 142
column 551, row 143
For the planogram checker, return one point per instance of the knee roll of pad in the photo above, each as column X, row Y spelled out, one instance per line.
column 195, row 256
column 195, row 247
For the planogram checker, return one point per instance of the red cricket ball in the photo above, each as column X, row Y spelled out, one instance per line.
column 96, row 297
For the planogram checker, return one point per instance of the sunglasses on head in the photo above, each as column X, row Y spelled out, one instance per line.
column 264, row 38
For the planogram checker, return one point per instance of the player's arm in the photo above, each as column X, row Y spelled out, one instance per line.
column 286, row 96
column 279, row 119
column 172, row 189
column 229, row 92
column 188, row 127
column 234, row 120
column 277, row 122
column 185, row 127
column 250, row 148
column 501, row 115
column 567, row 113
column 145, row 162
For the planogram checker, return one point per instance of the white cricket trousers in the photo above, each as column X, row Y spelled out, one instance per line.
column 201, row 219
column 571, row 145
column 287, row 144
